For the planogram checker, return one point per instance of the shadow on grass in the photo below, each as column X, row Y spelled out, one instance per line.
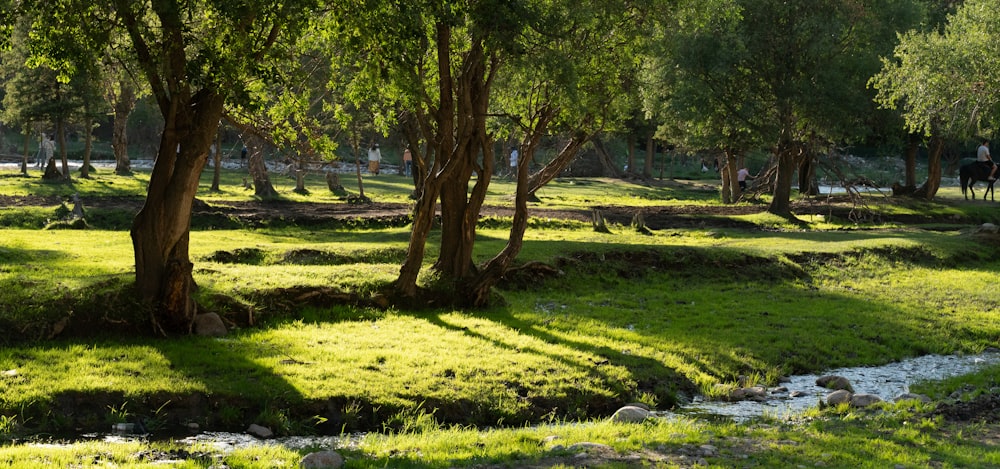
column 162, row 385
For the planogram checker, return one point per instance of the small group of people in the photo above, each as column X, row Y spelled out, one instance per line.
column 375, row 160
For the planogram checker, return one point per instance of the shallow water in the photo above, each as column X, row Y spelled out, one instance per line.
column 886, row 381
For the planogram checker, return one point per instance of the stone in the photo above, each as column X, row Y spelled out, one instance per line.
column 835, row 383
column 322, row 460
column 209, row 325
column 988, row 228
column 839, row 396
column 912, row 396
column 756, row 393
column 259, row 431
column 10, row 374
column 639, row 405
column 630, row 414
column 864, row 400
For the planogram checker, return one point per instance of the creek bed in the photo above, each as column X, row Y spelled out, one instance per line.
column 886, row 381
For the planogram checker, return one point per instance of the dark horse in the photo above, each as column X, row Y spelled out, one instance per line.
column 969, row 173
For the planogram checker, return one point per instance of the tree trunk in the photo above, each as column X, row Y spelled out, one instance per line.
column 88, row 146
column 357, row 169
column 807, row 175
column 216, row 162
column 61, row 135
column 161, row 229
column 730, row 187
column 493, row 270
column 459, row 136
column 611, row 168
column 935, row 148
column 411, row 131
column 24, row 160
column 555, row 167
column 781, row 204
column 123, row 107
column 258, row 169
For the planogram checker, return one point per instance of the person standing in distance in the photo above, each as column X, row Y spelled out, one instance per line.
column 513, row 162
column 741, row 176
column 374, row 157
column 407, row 161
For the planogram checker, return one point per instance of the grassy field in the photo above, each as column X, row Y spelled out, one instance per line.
column 634, row 318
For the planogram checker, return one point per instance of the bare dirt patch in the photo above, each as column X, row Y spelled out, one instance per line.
column 654, row 217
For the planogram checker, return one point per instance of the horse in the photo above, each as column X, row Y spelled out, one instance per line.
column 969, row 173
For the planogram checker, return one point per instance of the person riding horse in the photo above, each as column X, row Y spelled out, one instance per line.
column 983, row 169
column 983, row 157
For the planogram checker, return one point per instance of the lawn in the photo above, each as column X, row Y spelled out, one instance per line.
column 653, row 318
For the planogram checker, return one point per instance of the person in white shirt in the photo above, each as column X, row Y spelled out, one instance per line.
column 741, row 176
column 984, row 158
column 374, row 157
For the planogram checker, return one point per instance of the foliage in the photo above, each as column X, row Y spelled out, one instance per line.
column 946, row 81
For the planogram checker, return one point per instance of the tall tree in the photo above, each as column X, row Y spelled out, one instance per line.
column 122, row 91
column 40, row 91
column 441, row 63
column 193, row 54
column 946, row 82
column 783, row 75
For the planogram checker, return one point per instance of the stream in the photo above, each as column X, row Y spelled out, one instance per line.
column 886, row 381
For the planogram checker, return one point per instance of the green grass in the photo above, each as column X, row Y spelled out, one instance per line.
column 652, row 318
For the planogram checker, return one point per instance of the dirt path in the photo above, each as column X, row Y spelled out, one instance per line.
column 654, row 217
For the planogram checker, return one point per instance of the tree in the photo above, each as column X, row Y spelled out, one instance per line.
column 782, row 75
column 946, row 82
column 440, row 63
column 122, row 92
column 298, row 111
column 193, row 54
column 38, row 91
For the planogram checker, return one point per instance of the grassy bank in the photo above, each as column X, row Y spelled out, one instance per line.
column 649, row 318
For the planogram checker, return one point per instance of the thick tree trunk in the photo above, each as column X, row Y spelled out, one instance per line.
column 807, row 176
column 119, row 133
column 781, row 204
column 258, row 169
column 161, row 229
column 459, row 136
